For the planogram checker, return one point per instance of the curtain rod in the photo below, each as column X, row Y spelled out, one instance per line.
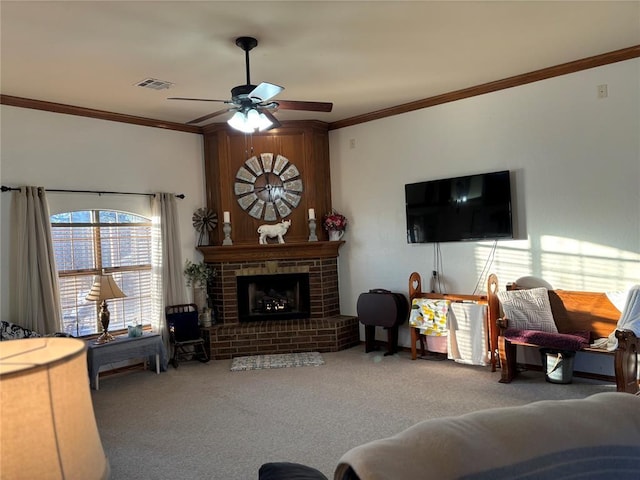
column 99, row 192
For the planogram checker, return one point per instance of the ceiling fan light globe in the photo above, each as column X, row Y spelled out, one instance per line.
column 239, row 122
column 236, row 121
column 253, row 117
column 264, row 123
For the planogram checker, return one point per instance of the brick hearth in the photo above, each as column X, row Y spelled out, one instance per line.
column 283, row 336
column 325, row 331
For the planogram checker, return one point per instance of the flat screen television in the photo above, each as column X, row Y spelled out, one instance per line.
column 473, row 207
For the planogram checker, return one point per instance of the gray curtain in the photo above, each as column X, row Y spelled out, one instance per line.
column 167, row 268
column 34, row 286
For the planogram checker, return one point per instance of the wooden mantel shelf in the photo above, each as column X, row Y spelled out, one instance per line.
column 272, row 251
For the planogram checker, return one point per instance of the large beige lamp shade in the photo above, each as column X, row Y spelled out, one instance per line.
column 47, row 426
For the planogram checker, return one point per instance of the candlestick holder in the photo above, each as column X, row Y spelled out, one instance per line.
column 226, row 228
column 312, row 230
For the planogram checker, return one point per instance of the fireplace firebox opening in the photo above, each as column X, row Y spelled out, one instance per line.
column 282, row 296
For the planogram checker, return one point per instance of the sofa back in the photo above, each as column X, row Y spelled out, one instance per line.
column 12, row 331
column 594, row 437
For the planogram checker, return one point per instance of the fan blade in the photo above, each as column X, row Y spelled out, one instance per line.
column 265, row 91
column 273, row 119
column 211, row 115
column 309, row 106
column 199, row 99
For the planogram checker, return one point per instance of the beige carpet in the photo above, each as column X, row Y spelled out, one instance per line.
column 203, row 421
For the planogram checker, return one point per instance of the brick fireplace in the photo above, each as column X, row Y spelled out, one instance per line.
column 306, row 145
column 322, row 329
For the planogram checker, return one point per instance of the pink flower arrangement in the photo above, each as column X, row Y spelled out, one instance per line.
column 334, row 221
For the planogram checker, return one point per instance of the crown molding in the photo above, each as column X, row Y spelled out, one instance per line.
column 99, row 114
column 523, row 79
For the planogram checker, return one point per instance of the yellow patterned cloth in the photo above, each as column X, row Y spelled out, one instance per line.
column 430, row 316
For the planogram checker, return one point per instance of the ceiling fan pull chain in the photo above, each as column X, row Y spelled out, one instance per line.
column 248, row 145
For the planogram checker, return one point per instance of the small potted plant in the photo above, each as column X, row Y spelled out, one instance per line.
column 198, row 276
column 335, row 223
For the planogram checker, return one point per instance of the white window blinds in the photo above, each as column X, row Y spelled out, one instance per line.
column 90, row 241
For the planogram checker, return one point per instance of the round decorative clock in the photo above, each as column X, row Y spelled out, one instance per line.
column 268, row 188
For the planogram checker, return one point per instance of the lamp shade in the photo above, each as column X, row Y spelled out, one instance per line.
column 104, row 287
column 47, row 425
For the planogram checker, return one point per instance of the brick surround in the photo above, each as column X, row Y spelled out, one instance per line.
column 323, row 284
column 325, row 331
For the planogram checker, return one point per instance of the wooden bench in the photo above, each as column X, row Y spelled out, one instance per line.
column 573, row 311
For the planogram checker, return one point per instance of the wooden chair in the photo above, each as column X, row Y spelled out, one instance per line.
column 184, row 333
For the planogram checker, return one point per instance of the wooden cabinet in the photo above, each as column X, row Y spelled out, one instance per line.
column 304, row 143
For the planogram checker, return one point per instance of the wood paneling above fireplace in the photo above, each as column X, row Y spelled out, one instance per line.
column 304, row 143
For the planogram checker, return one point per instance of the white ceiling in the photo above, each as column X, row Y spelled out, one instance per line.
column 361, row 55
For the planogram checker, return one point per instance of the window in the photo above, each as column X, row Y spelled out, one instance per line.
column 87, row 242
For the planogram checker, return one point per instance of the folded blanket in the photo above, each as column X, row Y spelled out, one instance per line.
column 430, row 316
column 629, row 320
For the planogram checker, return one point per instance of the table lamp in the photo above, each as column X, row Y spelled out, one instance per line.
column 104, row 288
column 47, row 424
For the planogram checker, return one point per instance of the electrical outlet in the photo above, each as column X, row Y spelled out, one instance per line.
column 352, row 143
column 603, row 91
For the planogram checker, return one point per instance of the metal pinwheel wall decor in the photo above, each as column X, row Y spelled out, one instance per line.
column 204, row 221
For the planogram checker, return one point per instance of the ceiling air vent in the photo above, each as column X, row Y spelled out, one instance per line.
column 154, row 84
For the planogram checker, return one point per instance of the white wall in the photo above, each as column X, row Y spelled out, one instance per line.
column 576, row 162
column 59, row 151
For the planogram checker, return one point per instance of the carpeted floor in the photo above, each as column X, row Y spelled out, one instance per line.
column 202, row 421
column 281, row 360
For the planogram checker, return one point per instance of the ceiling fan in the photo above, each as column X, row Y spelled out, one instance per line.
column 252, row 104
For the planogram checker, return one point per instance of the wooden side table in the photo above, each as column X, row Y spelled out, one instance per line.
column 147, row 346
